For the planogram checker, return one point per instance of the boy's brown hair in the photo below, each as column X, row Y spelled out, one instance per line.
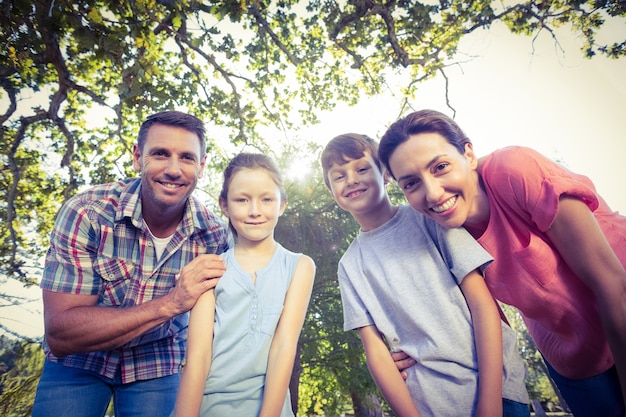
column 348, row 146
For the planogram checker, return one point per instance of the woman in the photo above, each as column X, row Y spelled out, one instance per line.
column 559, row 250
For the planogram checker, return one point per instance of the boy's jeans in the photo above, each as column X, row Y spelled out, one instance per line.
column 72, row 392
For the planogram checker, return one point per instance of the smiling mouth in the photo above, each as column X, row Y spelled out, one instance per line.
column 170, row 185
column 354, row 194
column 445, row 206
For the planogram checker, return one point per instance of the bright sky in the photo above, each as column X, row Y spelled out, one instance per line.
column 566, row 107
column 511, row 92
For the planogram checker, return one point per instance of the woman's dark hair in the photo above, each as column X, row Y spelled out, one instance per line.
column 423, row 121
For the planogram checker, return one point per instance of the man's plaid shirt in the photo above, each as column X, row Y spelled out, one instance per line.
column 100, row 246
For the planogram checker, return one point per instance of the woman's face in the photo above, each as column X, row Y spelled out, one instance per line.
column 437, row 179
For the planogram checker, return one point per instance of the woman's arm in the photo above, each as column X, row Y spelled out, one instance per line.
column 577, row 237
column 488, row 340
column 198, row 356
column 285, row 341
column 386, row 374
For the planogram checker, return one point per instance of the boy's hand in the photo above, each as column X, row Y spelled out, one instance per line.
column 402, row 361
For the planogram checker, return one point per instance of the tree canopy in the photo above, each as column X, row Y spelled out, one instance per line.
column 77, row 78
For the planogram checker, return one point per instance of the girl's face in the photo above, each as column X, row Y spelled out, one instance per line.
column 437, row 179
column 253, row 204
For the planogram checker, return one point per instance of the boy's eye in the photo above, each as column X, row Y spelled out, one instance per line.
column 362, row 170
column 338, row 177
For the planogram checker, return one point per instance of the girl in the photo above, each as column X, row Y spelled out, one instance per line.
column 559, row 250
column 246, row 330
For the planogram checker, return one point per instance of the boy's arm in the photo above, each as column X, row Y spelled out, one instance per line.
column 488, row 340
column 198, row 357
column 285, row 341
column 385, row 373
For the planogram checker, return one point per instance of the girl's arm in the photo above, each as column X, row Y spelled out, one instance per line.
column 285, row 341
column 198, row 356
column 575, row 233
column 385, row 373
column 488, row 340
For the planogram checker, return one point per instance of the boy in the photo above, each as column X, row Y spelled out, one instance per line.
column 409, row 282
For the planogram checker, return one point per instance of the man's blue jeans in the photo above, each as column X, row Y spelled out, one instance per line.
column 72, row 392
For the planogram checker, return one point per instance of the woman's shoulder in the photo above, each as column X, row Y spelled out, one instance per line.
column 514, row 163
column 512, row 156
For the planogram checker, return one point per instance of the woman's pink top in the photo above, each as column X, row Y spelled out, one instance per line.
column 558, row 308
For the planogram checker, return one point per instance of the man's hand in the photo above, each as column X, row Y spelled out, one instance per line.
column 197, row 277
column 402, row 361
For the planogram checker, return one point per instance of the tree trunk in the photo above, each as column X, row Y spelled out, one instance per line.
column 366, row 406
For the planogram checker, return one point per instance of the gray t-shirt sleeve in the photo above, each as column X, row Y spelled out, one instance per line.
column 460, row 251
column 355, row 313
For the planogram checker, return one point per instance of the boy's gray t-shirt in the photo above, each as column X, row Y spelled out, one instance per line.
column 404, row 277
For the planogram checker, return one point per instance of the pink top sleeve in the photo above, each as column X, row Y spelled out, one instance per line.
column 536, row 183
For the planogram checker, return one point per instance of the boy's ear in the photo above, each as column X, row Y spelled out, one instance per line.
column 386, row 177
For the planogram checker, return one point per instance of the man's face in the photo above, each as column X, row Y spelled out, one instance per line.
column 170, row 164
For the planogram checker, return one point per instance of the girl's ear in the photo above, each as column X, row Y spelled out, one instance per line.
column 470, row 156
column 223, row 206
column 283, row 206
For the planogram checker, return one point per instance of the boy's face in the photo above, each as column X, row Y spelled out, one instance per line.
column 357, row 186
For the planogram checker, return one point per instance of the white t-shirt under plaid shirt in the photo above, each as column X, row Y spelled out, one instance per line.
column 101, row 246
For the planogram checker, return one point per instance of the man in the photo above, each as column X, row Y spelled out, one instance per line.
column 126, row 261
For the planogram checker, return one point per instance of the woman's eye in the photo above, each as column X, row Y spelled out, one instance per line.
column 441, row 166
column 409, row 185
